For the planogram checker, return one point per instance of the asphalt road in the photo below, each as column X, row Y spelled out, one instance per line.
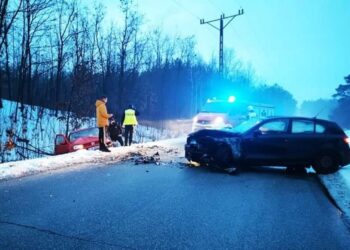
column 124, row 206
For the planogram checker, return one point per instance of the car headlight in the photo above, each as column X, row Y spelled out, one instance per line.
column 218, row 120
column 78, row 147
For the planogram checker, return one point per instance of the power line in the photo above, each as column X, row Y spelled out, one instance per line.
column 221, row 29
column 184, row 8
column 216, row 6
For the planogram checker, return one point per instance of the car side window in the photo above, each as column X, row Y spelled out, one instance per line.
column 302, row 127
column 274, row 127
column 60, row 140
column 320, row 129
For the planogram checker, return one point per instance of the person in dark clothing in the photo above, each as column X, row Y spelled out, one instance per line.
column 115, row 132
column 128, row 134
column 129, row 121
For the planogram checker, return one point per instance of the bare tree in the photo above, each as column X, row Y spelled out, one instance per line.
column 7, row 18
column 111, row 48
column 128, row 31
column 100, row 43
column 81, row 89
column 66, row 12
column 35, row 17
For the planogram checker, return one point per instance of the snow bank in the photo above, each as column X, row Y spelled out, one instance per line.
column 80, row 158
column 338, row 186
column 17, row 169
column 345, row 172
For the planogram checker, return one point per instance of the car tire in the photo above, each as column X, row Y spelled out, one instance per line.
column 326, row 163
column 223, row 157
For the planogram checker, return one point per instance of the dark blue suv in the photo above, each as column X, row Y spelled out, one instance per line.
column 294, row 142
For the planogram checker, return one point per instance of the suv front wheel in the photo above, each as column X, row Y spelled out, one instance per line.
column 326, row 163
column 223, row 156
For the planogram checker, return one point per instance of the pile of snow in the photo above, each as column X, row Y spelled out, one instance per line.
column 166, row 150
column 338, row 186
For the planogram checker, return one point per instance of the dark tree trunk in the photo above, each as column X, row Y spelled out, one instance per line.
column 7, row 71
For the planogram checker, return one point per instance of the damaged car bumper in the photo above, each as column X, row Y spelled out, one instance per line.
column 206, row 150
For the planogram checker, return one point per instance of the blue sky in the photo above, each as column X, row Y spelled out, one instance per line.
column 303, row 45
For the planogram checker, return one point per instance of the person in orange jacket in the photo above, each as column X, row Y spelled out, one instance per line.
column 102, row 122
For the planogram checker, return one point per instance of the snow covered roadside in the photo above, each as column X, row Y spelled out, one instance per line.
column 338, row 186
column 167, row 149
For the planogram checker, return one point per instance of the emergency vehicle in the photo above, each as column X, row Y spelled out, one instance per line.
column 218, row 113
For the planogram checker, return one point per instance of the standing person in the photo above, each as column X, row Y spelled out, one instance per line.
column 129, row 121
column 251, row 112
column 102, row 122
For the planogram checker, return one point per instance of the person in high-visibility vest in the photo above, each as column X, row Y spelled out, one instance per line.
column 129, row 121
column 102, row 122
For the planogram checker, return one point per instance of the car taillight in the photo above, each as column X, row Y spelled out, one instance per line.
column 347, row 140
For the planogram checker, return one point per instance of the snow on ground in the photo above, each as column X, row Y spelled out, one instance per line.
column 152, row 152
column 338, row 186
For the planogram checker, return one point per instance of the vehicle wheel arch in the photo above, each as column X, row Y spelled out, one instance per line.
column 326, row 154
column 223, row 153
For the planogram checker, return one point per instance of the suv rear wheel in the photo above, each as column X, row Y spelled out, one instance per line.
column 326, row 163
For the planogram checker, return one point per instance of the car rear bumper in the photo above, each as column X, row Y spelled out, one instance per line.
column 345, row 157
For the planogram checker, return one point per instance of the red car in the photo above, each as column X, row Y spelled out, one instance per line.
column 80, row 139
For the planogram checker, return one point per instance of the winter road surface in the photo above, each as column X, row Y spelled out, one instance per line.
column 127, row 206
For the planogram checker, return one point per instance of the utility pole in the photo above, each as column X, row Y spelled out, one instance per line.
column 221, row 29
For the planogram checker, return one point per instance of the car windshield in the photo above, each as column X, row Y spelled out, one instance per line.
column 91, row 132
column 244, row 126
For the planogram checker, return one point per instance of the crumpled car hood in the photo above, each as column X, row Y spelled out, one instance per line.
column 229, row 138
column 214, row 133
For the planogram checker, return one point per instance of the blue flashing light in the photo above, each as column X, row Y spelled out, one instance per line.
column 232, row 99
